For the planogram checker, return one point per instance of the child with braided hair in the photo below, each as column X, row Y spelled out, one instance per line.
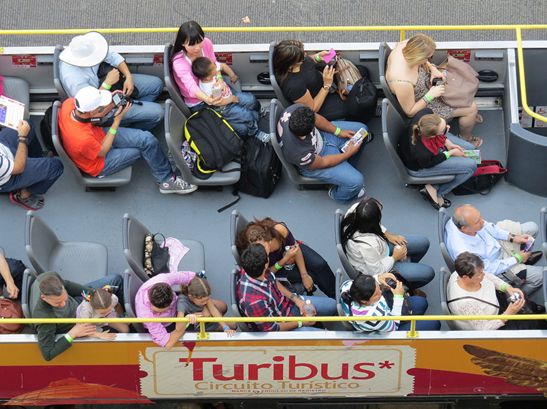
column 101, row 303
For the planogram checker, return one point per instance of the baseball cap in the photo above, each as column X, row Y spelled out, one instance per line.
column 89, row 98
column 86, row 50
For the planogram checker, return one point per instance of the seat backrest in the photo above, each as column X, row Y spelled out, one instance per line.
column 169, row 80
column 443, row 285
column 338, row 282
column 383, row 55
column 234, row 301
column 57, row 74
column 131, row 285
column 543, row 227
column 442, row 218
column 133, row 232
column 58, row 144
column 277, row 89
column 174, row 127
column 28, row 279
column 350, row 270
column 237, row 224
column 393, row 128
column 40, row 242
column 276, row 110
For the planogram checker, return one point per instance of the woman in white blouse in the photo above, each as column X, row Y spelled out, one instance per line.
column 373, row 250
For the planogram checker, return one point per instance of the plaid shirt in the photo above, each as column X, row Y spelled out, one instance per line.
column 262, row 298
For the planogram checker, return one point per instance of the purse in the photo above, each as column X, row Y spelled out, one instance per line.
column 488, row 173
column 10, row 309
column 461, row 84
column 103, row 71
column 156, row 255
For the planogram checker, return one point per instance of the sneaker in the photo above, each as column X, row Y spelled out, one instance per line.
column 32, row 202
column 361, row 193
column 177, row 186
column 331, row 192
column 262, row 136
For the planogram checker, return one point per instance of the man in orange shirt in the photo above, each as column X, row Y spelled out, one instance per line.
column 100, row 151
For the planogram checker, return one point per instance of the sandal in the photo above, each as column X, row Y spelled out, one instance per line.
column 427, row 197
column 30, row 203
column 474, row 140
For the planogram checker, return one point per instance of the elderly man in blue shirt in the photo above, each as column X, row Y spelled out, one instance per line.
column 501, row 247
column 79, row 68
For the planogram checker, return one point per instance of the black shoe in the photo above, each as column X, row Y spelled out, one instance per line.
column 447, row 203
column 428, row 198
column 534, row 258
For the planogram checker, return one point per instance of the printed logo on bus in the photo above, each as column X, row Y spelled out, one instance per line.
column 274, row 371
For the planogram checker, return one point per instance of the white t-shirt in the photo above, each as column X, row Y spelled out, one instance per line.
column 6, row 164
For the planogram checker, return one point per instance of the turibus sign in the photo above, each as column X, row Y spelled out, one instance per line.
column 278, row 371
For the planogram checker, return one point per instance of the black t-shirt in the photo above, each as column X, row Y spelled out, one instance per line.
column 299, row 152
column 297, row 83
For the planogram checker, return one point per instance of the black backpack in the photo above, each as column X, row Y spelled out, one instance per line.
column 260, row 168
column 214, row 141
column 362, row 100
column 45, row 130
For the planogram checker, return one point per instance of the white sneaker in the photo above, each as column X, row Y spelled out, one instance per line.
column 361, row 193
column 177, row 186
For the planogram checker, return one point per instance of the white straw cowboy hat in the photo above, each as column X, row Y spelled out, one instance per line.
column 86, row 50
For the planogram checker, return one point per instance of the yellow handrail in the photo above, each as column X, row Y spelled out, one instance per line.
column 203, row 320
column 402, row 34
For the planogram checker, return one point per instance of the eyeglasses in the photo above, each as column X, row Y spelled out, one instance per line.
column 446, row 130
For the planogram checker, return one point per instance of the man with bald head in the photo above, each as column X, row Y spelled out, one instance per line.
column 499, row 246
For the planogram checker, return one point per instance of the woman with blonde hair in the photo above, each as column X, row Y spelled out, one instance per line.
column 410, row 77
column 430, row 150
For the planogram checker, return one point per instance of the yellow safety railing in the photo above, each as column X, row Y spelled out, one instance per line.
column 412, row 333
column 401, row 29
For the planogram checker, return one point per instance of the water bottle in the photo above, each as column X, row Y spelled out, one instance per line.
column 309, row 309
column 288, row 266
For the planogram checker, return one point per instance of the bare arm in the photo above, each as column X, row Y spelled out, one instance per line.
column 20, row 160
column 317, row 102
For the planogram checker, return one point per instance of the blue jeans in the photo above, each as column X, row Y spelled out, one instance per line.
column 131, row 144
column 243, row 116
column 114, row 280
column 417, row 274
column 418, row 305
column 325, row 307
column 39, row 173
column 149, row 114
column 347, row 179
column 462, row 167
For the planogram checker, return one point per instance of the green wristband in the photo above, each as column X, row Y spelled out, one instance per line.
column 299, row 324
column 428, row 98
column 317, row 58
column 518, row 257
column 503, row 287
column 278, row 266
column 447, row 154
column 112, row 131
column 337, row 131
column 69, row 338
column 106, row 86
column 398, row 296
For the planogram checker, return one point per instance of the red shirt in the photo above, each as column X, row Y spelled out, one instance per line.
column 82, row 141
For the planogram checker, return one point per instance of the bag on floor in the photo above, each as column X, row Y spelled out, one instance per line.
column 488, row 173
column 214, row 141
column 260, row 169
column 362, row 100
column 156, row 255
column 10, row 309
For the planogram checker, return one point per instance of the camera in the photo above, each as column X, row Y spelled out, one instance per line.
column 120, row 99
column 392, row 283
column 514, row 297
column 436, row 81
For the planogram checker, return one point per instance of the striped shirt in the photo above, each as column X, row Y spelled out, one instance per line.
column 378, row 309
column 6, row 164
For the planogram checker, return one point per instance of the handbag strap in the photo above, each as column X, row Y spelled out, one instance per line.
column 161, row 236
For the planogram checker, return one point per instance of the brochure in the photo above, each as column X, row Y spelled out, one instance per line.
column 11, row 112
column 474, row 154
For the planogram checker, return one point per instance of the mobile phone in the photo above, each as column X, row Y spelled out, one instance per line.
column 392, row 283
column 329, row 56
column 528, row 245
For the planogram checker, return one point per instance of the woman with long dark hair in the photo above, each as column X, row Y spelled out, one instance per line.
column 373, row 250
column 191, row 44
column 289, row 259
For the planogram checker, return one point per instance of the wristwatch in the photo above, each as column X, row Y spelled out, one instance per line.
column 23, row 140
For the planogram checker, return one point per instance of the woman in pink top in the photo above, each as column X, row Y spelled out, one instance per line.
column 156, row 299
column 191, row 44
